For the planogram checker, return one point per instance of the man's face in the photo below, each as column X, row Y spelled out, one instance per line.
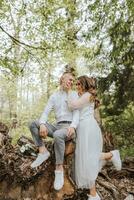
column 67, row 79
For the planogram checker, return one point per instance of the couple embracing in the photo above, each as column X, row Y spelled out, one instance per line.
column 74, row 113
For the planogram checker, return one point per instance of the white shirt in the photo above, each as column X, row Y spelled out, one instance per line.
column 58, row 103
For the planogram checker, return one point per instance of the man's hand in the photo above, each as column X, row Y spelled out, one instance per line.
column 43, row 131
column 70, row 132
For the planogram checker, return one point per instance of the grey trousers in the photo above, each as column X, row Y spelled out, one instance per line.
column 58, row 132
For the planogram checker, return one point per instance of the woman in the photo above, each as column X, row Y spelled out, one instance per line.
column 88, row 154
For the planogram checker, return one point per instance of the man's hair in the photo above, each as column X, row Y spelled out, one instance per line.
column 69, row 70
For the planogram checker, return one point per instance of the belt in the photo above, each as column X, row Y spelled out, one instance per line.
column 64, row 122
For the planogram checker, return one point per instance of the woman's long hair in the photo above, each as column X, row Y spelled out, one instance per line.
column 89, row 85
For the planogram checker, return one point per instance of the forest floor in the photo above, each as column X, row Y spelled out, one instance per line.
column 19, row 182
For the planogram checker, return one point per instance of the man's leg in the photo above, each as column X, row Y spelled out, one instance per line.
column 43, row 153
column 60, row 136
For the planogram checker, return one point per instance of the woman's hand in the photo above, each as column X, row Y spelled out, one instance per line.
column 68, row 85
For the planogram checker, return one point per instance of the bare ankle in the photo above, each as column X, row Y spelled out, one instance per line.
column 93, row 194
column 42, row 149
column 110, row 155
column 59, row 167
column 93, row 191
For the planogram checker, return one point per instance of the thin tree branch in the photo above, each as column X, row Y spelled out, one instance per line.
column 22, row 43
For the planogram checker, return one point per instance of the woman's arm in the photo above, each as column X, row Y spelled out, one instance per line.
column 78, row 103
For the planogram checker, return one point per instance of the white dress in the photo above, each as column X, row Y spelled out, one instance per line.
column 89, row 143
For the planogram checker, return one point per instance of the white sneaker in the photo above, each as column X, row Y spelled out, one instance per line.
column 40, row 159
column 116, row 160
column 59, row 180
column 94, row 198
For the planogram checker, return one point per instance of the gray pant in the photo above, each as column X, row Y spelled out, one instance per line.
column 58, row 132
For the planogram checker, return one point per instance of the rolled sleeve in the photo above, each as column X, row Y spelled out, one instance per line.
column 75, row 120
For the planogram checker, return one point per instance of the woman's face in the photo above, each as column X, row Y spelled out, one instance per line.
column 79, row 87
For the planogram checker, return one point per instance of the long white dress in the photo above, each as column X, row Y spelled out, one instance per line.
column 89, row 143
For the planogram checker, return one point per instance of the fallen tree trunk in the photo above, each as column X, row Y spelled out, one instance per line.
column 19, row 182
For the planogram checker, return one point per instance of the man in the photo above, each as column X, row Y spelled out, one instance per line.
column 66, row 123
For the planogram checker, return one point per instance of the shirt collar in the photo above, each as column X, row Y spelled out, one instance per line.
column 62, row 91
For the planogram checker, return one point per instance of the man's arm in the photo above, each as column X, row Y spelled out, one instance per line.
column 74, row 124
column 47, row 110
column 44, row 117
column 75, row 120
